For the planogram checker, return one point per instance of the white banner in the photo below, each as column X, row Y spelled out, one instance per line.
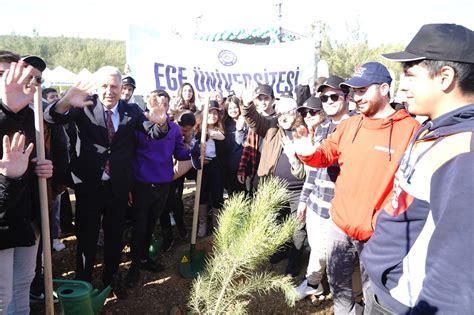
column 166, row 63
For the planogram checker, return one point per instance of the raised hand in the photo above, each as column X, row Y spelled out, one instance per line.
column 157, row 114
column 303, row 142
column 79, row 95
column 18, row 85
column 248, row 95
column 15, row 157
column 157, row 109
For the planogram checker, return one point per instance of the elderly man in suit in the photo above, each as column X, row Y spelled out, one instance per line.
column 101, row 165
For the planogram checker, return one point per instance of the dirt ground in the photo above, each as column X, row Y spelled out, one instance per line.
column 167, row 292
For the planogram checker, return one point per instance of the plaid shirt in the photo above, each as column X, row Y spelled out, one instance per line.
column 318, row 188
column 249, row 161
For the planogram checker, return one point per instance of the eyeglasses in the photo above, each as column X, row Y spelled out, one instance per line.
column 325, row 98
column 312, row 112
column 286, row 114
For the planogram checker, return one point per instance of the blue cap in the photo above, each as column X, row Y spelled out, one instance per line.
column 368, row 74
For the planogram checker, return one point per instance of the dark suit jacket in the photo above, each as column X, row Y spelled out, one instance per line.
column 93, row 148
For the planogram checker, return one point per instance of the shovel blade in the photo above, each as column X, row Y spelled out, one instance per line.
column 192, row 263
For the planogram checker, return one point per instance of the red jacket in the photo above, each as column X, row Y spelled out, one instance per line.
column 368, row 151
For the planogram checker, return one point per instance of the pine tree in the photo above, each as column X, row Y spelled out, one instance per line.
column 249, row 232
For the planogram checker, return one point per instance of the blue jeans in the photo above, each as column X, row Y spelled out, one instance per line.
column 17, row 270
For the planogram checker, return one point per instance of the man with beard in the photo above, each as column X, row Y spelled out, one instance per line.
column 367, row 148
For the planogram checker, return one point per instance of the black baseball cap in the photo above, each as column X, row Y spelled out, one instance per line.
column 35, row 62
column 333, row 82
column 312, row 103
column 264, row 89
column 186, row 118
column 214, row 105
column 447, row 42
column 128, row 81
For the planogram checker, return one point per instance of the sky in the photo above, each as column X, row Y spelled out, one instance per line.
column 383, row 22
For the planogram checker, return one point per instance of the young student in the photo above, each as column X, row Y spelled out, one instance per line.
column 152, row 168
column 212, row 185
column 236, row 131
column 420, row 257
column 253, row 145
column 185, row 99
column 182, row 170
column 322, row 114
column 128, row 87
column 19, row 172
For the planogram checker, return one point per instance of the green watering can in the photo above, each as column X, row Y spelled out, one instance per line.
column 79, row 298
column 154, row 249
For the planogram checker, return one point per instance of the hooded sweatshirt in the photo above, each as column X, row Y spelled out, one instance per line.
column 368, row 151
column 420, row 257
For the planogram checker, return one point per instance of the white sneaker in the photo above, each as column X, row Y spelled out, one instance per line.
column 304, row 290
column 57, row 245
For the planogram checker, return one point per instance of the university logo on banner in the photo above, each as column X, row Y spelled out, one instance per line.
column 166, row 63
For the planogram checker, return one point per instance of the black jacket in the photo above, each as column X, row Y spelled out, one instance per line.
column 87, row 167
column 19, row 198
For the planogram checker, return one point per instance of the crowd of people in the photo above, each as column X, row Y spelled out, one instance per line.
column 382, row 201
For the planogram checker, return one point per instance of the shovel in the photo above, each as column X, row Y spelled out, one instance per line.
column 192, row 262
column 43, row 194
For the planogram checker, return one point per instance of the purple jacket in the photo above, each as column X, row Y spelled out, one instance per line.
column 153, row 160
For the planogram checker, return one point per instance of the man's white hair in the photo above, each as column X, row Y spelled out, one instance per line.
column 107, row 71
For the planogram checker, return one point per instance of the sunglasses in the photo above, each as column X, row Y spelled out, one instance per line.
column 312, row 112
column 325, row 98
